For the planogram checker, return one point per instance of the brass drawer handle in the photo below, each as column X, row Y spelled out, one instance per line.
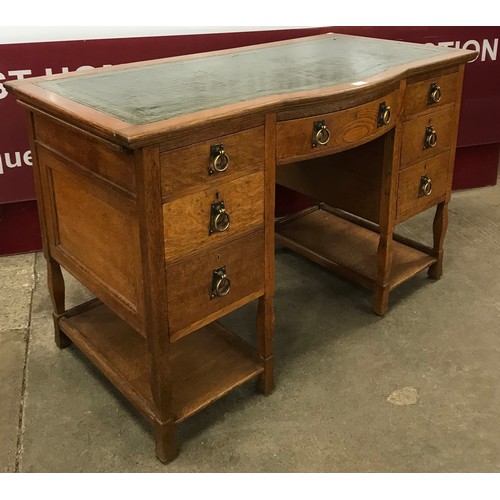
column 435, row 94
column 219, row 161
column 220, row 283
column 430, row 138
column 321, row 134
column 219, row 218
column 425, row 186
column 384, row 114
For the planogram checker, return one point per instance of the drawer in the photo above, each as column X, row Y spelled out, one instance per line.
column 302, row 138
column 191, row 166
column 430, row 94
column 414, row 191
column 191, row 284
column 416, row 132
column 192, row 221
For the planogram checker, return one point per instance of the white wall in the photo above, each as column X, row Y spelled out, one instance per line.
column 29, row 34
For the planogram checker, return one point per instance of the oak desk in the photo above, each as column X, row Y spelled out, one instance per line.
column 155, row 183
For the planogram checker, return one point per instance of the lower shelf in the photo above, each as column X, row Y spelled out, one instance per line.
column 347, row 248
column 205, row 365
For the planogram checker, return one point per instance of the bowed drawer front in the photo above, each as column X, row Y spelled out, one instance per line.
column 324, row 134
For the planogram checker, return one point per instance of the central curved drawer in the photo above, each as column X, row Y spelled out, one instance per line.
column 297, row 140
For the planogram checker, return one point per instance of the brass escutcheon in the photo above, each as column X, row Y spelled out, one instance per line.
column 384, row 114
column 434, row 94
column 220, row 283
column 425, row 186
column 430, row 138
column 219, row 218
column 219, row 160
column 321, row 134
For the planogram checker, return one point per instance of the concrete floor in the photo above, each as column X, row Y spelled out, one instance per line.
column 415, row 391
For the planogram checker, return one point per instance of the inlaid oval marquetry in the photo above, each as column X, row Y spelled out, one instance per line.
column 348, row 128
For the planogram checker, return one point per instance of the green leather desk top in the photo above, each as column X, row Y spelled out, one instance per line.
column 158, row 91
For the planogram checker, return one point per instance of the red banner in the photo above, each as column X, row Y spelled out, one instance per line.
column 479, row 132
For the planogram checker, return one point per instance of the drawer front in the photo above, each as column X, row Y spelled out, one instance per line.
column 430, row 94
column 416, row 132
column 422, row 186
column 346, row 128
column 189, row 222
column 193, row 166
column 191, row 284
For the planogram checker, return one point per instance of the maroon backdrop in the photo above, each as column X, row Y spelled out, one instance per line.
column 479, row 133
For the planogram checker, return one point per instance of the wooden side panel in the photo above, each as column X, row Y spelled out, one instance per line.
column 187, row 219
column 189, row 283
column 412, row 147
column 187, row 167
column 93, row 231
column 410, row 201
column 105, row 159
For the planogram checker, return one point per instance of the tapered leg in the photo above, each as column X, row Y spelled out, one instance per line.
column 265, row 333
column 439, row 227
column 55, row 282
column 384, row 264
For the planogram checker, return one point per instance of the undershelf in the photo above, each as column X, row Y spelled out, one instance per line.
column 205, row 365
column 347, row 248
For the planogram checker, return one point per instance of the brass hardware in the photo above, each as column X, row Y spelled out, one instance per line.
column 425, row 186
column 219, row 160
column 220, row 283
column 219, row 218
column 430, row 138
column 384, row 114
column 321, row 135
column 434, row 94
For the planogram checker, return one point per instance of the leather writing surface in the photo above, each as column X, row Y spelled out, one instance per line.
column 155, row 92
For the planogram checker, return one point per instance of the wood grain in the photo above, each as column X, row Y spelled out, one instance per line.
column 100, row 235
column 348, row 249
column 187, row 167
column 410, row 202
column 189, row 283
column 187, row 219
column 115, row 164
column 205, row 366
column 348, row 128
column 350, row 180
column 412, row 147
column 416, row 99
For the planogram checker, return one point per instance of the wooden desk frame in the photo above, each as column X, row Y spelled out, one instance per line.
column 108, row 192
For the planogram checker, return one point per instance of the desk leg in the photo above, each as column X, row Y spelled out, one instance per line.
column 439, row 227
column 390, row 172
column 384, row 264
column 164, row 427
column 265, row 332
column 55, row 282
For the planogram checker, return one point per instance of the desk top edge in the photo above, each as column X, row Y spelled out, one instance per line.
column 132, row 135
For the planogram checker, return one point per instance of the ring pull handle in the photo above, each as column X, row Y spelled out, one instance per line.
column 220, row 283
column 425, row 186
column 219, row 160
column 219, row 218
column 435, row 94
column 321, row 134
column 430, row 138
column 384, row 114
